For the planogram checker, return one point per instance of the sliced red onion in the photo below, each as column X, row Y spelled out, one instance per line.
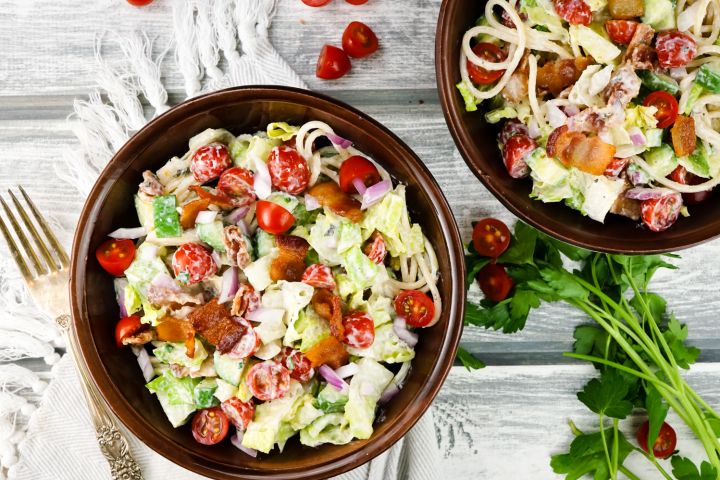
column 144, row 361
column 637, row 137
column 648, row 193
column 555, row 117
column 230, row 285
column 216, row 258
column 359, row 185
column 236, row 215
column 128, row 233
column 149, row 251
column 375, row 193
column 263, row 314
column 165, row 282
column 347, row 370
column 401, row 330
column 533, row 129
column 338, row 140
column 206, row 216
column 332, row 378
column 387, row 394
column 571, row 110
column 637, row 177
column 262, row 183
column 120, row 284
column 311, row 203
column 236, row 440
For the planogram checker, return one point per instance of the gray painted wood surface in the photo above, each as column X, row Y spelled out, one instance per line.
column 502, row 422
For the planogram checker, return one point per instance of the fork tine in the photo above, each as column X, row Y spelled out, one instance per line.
column 33, row 231
column 39, row 267
column 15, row 252
column 46, row 229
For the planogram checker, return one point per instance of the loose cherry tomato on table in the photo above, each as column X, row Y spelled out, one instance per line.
column 415, row 307
column 139, row 3
column 681, row 175
column 273, row 218
column 209, row 161
column 675, row 49
column 127, row 327
column 665, row 443
column 356, row 2
column 115, row 256
column 359, row 330
column 490, row 237
column 192, row 263
column 289, row 171
column 297, row 363
column 514, row 153
column 491, row 53
column 667, row 107
column 621, row 31
column 237, row 181
column 210, row 426
column 268, row 380
column 576, row 12
column 332, row 63
column 659, row 214
column 316, row 3
column 359, row 40
column 360, row 168
column 495, row 282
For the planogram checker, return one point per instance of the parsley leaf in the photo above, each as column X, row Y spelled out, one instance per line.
column 558, row 284
column 470, row 361
column 655, row 303
column 520, row 305
column 685, row 469
column 522, row 246
column 606, row 395
column 493, row 317
column 587, row 455
column 657, row 410
column 570, row 251
column 675, row 336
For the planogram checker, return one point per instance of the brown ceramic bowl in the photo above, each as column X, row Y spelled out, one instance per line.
column 476, row 141
column 109, row 206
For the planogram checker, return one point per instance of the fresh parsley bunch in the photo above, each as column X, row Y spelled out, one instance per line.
column 637, row 346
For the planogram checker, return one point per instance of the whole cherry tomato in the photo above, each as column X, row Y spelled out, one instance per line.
column 356, row 2
column 495, row 282
column 665, row 443
column 316, row 3
column 659, row 214
column 490, row 237
column 357, row 167
column 273, row 218
column 289, row 171
column 192, row 263
column 139, row 3
column 359, row 40
column 415, row 307
column 115, row 256
column 674, row 48
column 332, row 63
column 516, row 149
column 237, row 181
column 359, row 330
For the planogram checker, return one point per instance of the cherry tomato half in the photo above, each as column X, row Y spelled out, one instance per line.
column 621, row 31
column 665, row 443
column 115, row 256
column 297, row 363
column 490, row 237
column 681, row 175
column 667, row 107
column 268, row 380
column 415, row 307
column 332, row 63
column 359, row 40
column 359, row 330
column 576, row 12
column 674, row 48
column 273, row 218
column 495, row 282
column 139, row 3
column 316, row 3
column 514, row 152
column 357, row 167
column 126, row 327
column 659, row 214
column 491, row 53
column 210, row 426
column 237, row 182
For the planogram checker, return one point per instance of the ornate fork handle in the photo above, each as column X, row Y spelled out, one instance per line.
column 112, row 442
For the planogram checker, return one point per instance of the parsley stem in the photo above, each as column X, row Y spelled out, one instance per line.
column 653, row 460
column 613, row 474
column 629, row 474
column 616, row 446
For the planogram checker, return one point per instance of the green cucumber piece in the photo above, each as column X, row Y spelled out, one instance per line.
column 659, row 81
column 165, row 216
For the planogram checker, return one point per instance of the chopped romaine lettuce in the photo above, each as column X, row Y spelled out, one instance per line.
column 309, row 328
column 273, row 327
column 580, row 92
column 258, row 272
column 330, row 428
column 224, row 390
column 360, row 269
column 324, row 238
column 131, row 300
column 696, row 91
column 332, row 400
column 708, row 77
column 265, row 242
column 176, row 396
column 641, row 117
column 350, row 236
column 204, row 393
column 281, row 130
column 366, row 387
column 662, row 159
column 144, row 213
column 600, row 193
column 304, row 412
column 239, row 146
column 176, row 353
column 659, row 14
column 494, row 116
column 471, row 102
column 142, row 271
column 285, row 200
column 594, row 44
column 550, row 177
column 387, row 347
column 211, row 135
column 697, row 162
column 291, row 297
column 264, row 431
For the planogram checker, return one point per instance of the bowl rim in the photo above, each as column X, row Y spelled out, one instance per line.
column 461, row 137
column 181, row 454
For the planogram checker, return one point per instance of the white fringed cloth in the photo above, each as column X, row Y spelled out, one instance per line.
column 44, row 435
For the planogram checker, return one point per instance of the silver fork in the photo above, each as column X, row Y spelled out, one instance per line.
column 47, row 281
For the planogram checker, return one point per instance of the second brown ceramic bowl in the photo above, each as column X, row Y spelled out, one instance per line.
column 476, row 141
column 110, row 205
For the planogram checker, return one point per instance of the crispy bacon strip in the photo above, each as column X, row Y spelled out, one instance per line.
column 144, row 335
column 683, row 135
column 151, row 186
column 329, row 195
column 639, row 53
column 190, row 212
column 220, row 199
column 329, row 351
column 557, row 75
column 328, row 306
column 214, row 322
column 290, row 263
column 237, row 246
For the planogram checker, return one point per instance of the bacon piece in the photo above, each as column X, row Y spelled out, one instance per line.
column 246, row 300
column 290, row 263
column 329, row 351
column 328, row 306
column 190, row 212
column 141, row 337
column 176, row 330
column 214, row 322
column 623, row 87
column 683, row 135
column 221, row 199
column 640, row 54
column 557, row 75
column 151, row 186
column 236, row 246
column 329, row 195
column 589, row 154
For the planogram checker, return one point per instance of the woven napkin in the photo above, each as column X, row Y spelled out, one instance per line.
column 217, row 44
